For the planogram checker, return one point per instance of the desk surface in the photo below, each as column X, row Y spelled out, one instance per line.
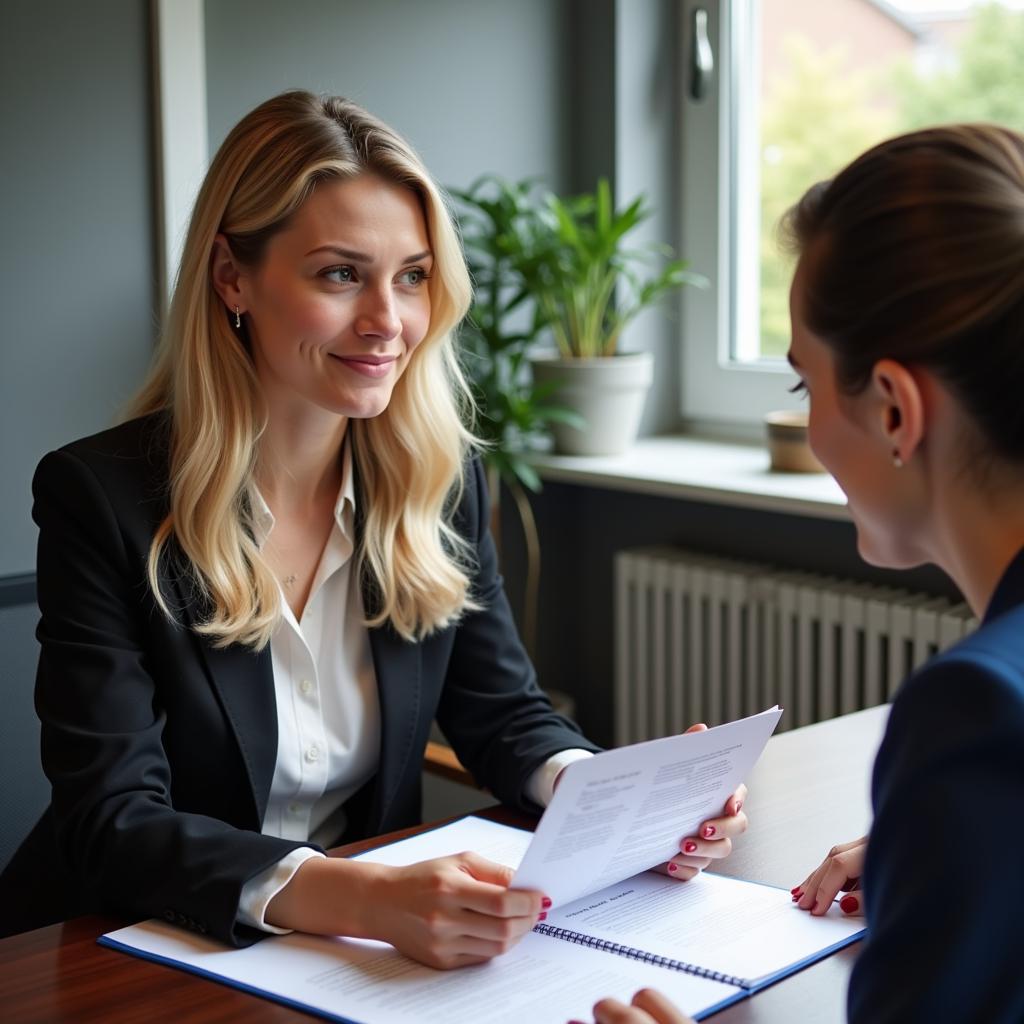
column 809, row 791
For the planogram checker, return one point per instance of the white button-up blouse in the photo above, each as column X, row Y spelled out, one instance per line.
column 328, row 712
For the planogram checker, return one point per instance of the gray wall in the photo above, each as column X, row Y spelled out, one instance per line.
column 474, row 85
column 76, row 277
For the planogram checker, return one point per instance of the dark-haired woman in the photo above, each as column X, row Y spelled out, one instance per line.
column 908, row 335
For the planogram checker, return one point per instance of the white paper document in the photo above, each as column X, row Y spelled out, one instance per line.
column 624, row 811
column 499, row 843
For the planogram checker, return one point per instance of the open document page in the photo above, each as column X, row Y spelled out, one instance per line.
column 542, row 980
column 747, row 933
column 624, row 811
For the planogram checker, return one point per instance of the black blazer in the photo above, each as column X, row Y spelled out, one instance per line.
column 944, row 877
column 161, row 748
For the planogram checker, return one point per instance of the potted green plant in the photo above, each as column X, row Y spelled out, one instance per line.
column 587, row 285
column 514, row 414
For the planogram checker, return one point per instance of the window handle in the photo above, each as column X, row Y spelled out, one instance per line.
column 702, row 60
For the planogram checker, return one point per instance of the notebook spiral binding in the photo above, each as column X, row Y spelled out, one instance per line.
column 605, row 946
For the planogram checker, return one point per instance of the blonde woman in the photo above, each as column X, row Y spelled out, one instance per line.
column 258, row 592
column 908, row 337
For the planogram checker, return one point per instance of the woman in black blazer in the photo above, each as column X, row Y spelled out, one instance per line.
column 258, row 592
column 908, row 337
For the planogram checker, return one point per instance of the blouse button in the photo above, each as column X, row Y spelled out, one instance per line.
column 313, row 754
column 306, row 686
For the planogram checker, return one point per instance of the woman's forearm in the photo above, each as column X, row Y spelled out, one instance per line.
column 328, row 896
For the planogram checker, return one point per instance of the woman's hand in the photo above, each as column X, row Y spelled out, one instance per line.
column 714, row 836
column 446, row 912
column 453, row 911
column 839, row 872
column 648, row 1007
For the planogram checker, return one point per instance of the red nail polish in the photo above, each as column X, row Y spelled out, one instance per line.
column 545, row 902
column 709, row 831
column 542, row 916
column 796, row 890
column 672, row 868
column 848, row 904
column 689, row 846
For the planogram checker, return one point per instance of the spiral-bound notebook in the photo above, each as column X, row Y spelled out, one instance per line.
column 727, row 930
column 706, row 944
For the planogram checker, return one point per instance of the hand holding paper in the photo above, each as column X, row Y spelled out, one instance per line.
column 625, row 811
column 453, row 911
column 713, row 838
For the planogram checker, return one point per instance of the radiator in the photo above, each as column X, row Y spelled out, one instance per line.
column 704, row 639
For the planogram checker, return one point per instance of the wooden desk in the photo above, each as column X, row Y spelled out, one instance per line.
column 809, row 791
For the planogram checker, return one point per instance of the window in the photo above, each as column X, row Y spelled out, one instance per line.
column 800, row 87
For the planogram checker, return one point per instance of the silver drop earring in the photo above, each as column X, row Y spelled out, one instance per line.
column 238, row 319
column 896, row 460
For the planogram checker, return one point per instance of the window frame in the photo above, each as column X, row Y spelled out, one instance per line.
column 722, row 388
column 180, row 128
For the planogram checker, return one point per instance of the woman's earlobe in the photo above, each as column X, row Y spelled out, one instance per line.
column 903, row 409
column 225, row 274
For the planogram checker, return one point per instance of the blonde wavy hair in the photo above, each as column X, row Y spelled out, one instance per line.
column 408, row 460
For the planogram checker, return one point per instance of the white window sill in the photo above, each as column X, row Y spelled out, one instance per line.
column 719, row 472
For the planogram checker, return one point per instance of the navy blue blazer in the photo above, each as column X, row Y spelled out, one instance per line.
column 161, row 747
column 944, row 876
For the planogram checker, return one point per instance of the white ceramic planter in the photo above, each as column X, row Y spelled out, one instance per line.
column 607, row 393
